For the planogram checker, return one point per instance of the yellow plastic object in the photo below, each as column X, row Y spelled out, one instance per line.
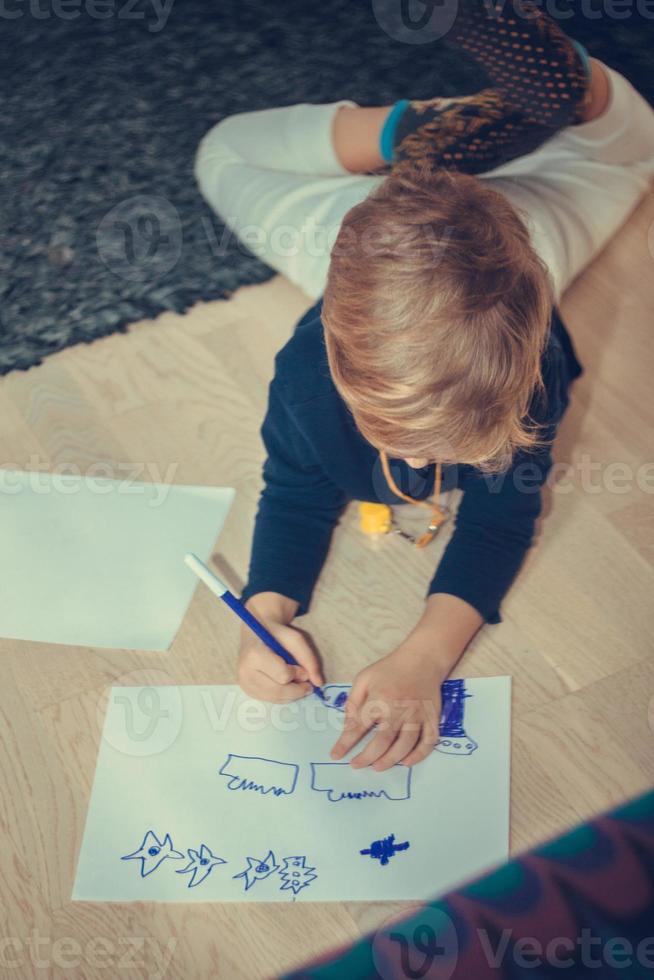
column 374, row 518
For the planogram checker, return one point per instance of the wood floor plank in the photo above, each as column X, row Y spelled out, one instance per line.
column 596, row 745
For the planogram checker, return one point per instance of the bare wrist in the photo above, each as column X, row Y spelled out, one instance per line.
column 355, row 137
column 444, row 630
column 273, row 605
column 435, row 657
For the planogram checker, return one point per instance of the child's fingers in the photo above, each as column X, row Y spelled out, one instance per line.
column 354, row 729
column 424, row 747
column 354, row 726
column 377, row 747
column 401, row 747
column 355, row 699
column 266, row 690
column 259, row 685
column 298, row 647
column 274, row 668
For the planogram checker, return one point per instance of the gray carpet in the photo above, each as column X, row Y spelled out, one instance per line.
column 101, row 221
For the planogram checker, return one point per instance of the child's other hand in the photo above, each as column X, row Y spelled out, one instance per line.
column 400, row 696
column 263, row 674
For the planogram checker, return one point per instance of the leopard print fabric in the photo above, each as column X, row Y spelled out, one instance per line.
column 540, row 85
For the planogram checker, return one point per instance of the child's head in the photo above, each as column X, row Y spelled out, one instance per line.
column 436, row 312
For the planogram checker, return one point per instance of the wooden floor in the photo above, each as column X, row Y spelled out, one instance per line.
column 181, row 399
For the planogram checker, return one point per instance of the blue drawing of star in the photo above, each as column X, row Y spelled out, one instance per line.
column 295, row 874
column 383, row 850
column 200, row 865
column 152, row 852
column 258, row 869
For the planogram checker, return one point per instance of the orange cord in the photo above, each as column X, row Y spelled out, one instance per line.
column 438, row 516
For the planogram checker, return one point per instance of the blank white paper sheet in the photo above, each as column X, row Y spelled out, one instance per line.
column 96, row 562
column 203, row 794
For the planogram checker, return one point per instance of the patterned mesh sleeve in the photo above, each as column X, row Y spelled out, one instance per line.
column 539, row 85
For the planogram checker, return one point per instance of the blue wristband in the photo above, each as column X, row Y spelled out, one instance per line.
column 583, row 54
column 388, row 130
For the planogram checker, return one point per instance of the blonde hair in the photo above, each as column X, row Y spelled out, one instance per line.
column 436, row 313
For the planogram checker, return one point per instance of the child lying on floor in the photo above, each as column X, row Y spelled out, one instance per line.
column 435, row 356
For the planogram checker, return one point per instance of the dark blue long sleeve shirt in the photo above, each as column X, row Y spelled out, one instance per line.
column 317, row 461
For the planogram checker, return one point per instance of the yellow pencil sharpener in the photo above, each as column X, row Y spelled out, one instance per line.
column 374, row 518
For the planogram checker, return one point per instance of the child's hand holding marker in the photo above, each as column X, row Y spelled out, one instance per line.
column 263, row 674
column 276, row 663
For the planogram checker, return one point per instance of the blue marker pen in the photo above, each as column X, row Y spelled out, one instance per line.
column 220, row 589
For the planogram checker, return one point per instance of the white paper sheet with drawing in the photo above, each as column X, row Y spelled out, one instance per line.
column 202, row 794
column 98, row 562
